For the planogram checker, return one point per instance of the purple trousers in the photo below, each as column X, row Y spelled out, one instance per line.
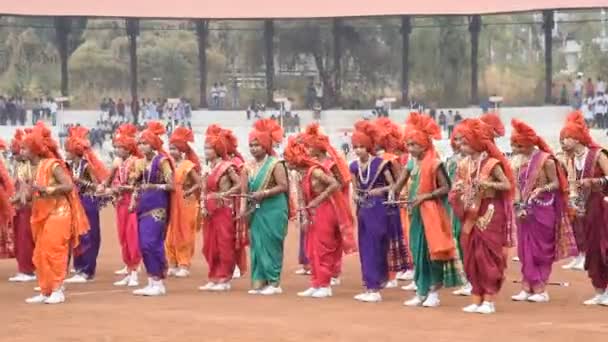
column 152, row 232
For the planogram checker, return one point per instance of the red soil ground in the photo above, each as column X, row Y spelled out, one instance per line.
column 100, row 312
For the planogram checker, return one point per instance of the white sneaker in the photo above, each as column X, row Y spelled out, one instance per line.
column 580, row 264
column 471, row 308
column 432, row 300
column 307, row 293
column 464, row 291
column 416, row 301
column 371, row 297
column 539, row 297
column 521, row 296
column 303, row 271
column 407, row 275
column 140, row 292
column 77, row 279
column 237, row 273
column 256, row 291
column 122, row 271
column 37, row 299
column 182, row 273
column 172, row 271
column 486, row 308
column 56, row 297
column 391, row 284
column 123, row 282
column 604, row 301
column 22, row 278
column 335, row 282
column 220, row 287
column 134, row 280
column 207, row 287
column 410, row 287
column 360, row 296
column 37, row 289
column 271, row 290
column 323, row 292
column 515, row 259
column 596, row 300
column 155, row 289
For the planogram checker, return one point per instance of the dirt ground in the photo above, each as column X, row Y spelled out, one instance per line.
column 100, row 312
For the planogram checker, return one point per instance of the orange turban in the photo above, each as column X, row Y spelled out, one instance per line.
column 493, row 120
column 180, row 138
column 457, row 133
column 17, row 141
column 79, row 145
column 422, row 129
column 525, row 135
column 391, row 137
column 151, row 135
column 267, row 133
column 125, row 138
column 313, row 138
column 480, row 137
column 365, row 135
column 229, row 140
column 296, row 154
column 576, row 128
column 41, row 143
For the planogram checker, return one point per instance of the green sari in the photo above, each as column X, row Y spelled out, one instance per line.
column 428, row 273
column 268, row 228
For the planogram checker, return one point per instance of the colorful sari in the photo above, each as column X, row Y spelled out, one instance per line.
column 86, row 261
column 379, row 251
column 268, row 227
column 544, row 234
column 24, row 241
column 219, row 231
column 153, row 216
column 179, row 244
column 126, row 222
column 429, row 272
column 57, row 222
column 486, row 217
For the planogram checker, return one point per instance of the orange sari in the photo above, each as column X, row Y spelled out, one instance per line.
column 184, row 220
column 57, row 224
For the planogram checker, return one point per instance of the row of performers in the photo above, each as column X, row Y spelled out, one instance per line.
column 157, row 204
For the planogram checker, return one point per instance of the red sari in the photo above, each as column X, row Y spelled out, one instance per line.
column 219, row 230
column 24, row 241
column 486, row 227
column 126, row 222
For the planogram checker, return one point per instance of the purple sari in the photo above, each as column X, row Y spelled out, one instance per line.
column 153, row 215
column 376, row 226
column 85, row 261
column 545, row 235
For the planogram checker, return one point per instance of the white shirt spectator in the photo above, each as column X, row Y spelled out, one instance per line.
column 222, row 90
column 379, row 103
column 587, row 109
column 287, row 106
column 214, row 91
column 601, row 87
column 368, row 115
column 600, row 104
column 578, row 85
column 53, row 107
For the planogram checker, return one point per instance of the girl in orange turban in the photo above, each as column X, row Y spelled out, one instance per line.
column 184, row 221
column 153, row 178
column 117, row 185
column 587, row 166
column 58, row 218
column 87, row 172
column 322, row 205
column 431, row 241
column 24, row 242
column 372, row 179
column 265, row 183
column 219, row 227
column 482, row 199
column 544, row 233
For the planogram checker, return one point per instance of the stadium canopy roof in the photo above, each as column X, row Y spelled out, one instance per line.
column 279, row 9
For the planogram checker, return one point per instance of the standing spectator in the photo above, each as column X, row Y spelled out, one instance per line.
column 310, row 95
column 319, row 93
column 433, row 114
column 215, row 96
column 120, row 108
column 443, row 121
column 21, row 111
column 589, row 89
column 236, row 94
column 600, row 107
column 11, row 110
column 578, row 90
column 345, row 144
column 600, row 87
column 563, row 96
column 222, row 90
column 379, row 107
column 450, row 120
column 587, row 109
column 457, row 118
column 3, row 115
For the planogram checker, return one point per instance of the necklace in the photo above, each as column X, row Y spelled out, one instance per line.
column 148, row 169
column 77, row 170
column 580, row 159
column 368, row 171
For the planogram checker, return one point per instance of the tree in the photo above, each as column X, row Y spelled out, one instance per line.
column 406, row 30
column 132, row 26
column 202, row 34
column 337, row 49
column 62, row 30
column 474, row 29
column 548, row 24
column 269, row 59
